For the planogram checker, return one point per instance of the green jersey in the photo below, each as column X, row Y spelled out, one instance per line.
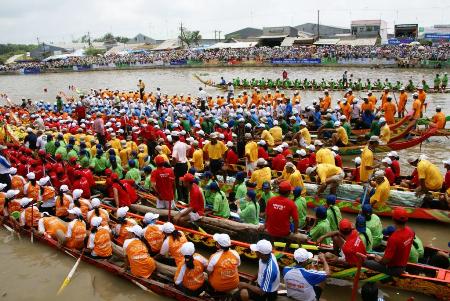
column 72, row 153
column 417, row 250
column 322, row 227
column 220, row 206
column 118, row 170
column 84, row 161
column 369, row 241
column 437, row 81
column 134, row 174
column 209, row 196
column 207, row 127
column 50, row 148
column 250, row 214
column 348, row 128
column 186, row 125
column 300, row 202
column 334, row 217
column 62, row 151
column 240, row 191
column 99, row 164
column 376, row 228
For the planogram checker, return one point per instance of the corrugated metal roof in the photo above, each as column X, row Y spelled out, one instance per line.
column 326, row 42
column 273, row 37
column 169, row 44
column 222, row 45
column 289, row 41
column 366, row 22
column 359, row 42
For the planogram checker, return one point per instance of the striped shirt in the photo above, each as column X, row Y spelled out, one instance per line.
column 269, row 275
column 300, row 282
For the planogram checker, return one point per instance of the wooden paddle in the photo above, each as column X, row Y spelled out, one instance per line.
column 71, row 273
column 358, row 273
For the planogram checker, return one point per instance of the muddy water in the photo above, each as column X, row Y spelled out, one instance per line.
column 35, row 272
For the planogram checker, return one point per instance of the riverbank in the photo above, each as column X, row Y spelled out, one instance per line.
column 284, row 63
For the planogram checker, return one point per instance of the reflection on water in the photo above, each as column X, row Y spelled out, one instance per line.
column 23, row 265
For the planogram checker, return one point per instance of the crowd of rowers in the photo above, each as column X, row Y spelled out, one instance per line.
column 166, row 152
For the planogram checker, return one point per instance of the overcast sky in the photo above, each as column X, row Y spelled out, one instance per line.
column 23, row 21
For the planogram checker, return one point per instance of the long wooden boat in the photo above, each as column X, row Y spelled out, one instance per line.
column 419, row 278
column 393, row 126
column 439, row 133
column 211, row 83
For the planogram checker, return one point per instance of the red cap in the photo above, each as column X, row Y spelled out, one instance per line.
column 400, row 214
column 159, row 160
column 285, row 186
column 41, row 152
column 188, row 178
column 73, row 159
column 58, row 156
column 108, row 172
column 345, row 225
column 114, row 176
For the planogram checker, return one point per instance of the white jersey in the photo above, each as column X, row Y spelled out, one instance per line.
column 300, row 282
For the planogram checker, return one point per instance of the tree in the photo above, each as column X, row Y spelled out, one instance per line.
column 190, row 38
column 108, row 36
column 123, row 40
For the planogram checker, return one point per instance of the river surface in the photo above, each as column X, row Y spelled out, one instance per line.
column 35, row 272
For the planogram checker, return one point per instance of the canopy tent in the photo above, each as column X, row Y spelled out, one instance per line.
column 235, row 45
column 77, row 53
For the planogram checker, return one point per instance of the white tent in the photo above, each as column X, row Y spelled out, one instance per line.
column 235, row 45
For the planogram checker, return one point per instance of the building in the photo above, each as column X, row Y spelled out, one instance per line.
column 274, row 36
column 436, row 33
column 244, row 33
column 370, row 29
column 46, row 50
column 324, row 30
column 141, row 39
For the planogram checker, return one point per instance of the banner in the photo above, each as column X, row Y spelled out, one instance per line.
column 31, row 70
column 194, row 63
column 437, row 36
column 81, row 67
column 178, row 62
column 295, row 61
column 367, row 61
column 397, row 41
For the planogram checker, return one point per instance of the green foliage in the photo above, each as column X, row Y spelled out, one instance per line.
column 108, row 36
column 425, row 42
column 123, row 40
column 12, row 49
column 190, row 38
column 94, row 51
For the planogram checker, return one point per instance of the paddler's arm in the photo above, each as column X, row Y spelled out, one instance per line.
column 329, row 234
column 326, row 267
column 422, row 189
column 116, row 197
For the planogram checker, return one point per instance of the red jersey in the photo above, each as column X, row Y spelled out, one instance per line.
column 338, row 160
column 278, row 162
column 415, row 178
column 396, row 168
column 165, row 181
column 279, row 211
column 353, row 244
column 262, row 153
column 196, row 201
column 355, row 174
column 447, row 180
column 312, row 159
column 399, row 246
column 302, row 165
column 390, row 175
column 286, row 152
column 231, row 157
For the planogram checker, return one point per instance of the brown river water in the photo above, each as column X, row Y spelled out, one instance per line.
column 35, row 272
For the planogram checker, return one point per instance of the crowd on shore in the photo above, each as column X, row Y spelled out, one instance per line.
column 439, row 53
column 182, row 148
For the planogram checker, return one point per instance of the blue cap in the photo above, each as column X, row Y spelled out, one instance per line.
column 251, row 194
column 98, row 146
column 147, row 168
column 131, row 163
column 321, row 212
column 297, row 191
column 213, row 186
column 100, row 152
column 240, row 176
column 388, row 230
column 367, row 208
column 360, row 224
column 69, row 145
column 112, row 158
column 331, row 199
column 266, row 185
column 192, row 171
column 207, row 174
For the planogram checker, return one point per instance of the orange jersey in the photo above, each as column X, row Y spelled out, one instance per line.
column 155, row 237
column 389, row 112
column 51, row 225
column 192, row 279
column 121, row 230
column 172, row 248
column 402, row 99
column 30, row 216
column 367, row 106
column 102, row 243
column 439, row 120
column 76, row 235
column 18, row 183
column 141, row 264
column 224, row 275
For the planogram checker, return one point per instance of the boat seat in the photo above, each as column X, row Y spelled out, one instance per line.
column 443, row 275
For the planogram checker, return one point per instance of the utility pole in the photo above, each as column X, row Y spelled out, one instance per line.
column 318, row 24
column 89, row 39
column 181, row 33
column 219, row 34
column 37, row 38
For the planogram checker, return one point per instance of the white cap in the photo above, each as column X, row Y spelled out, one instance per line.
column 343, row 117
column 168, row 228
column 301, row 255
column 379, row 173
column 392, row 154
column 263, row 246
column 96, row 221
column 318, row 142
column 77, row 193
column 446, row 162
column 13, row 170
column 284, row 145
column 11, row 193
column 136, row 229
column 374, row 138
column 149, row 216
column 2, row 186
column 95, row 203
column 261, row 161
column 262, row 142
column 75, row 210
column 187, row 249
column 64, row 188
column 335, row 148
column 357, row 160
column 31, row 176
column 382, row 119
column 302, row 122
column 122, row 211
column 278, row 149
column 337, row 123
column 43, row 181
column 310, row 170
column 412, row 159
column 301, row 152
column 25, row 201
column 275, row 122
column 229, row 144
column 222, row 239
column 311, row 147
column 387, row 160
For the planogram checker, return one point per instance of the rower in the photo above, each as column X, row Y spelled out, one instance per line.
column 389, row 110
column 223, row 266
column 120, row 232
column 305, row 284
column 52, row 226
column 364, row 233
column 239, row 187
column 381, row 190
column 430, row 178
column 97, row 211
column 417, row 107
column 323, row 155
column 268, row 279
column 354, row 175
column 293, row 175
column 446, row 184
column 279, row 161
column 220, row 202
column 395, row 165
column 266, row 195
column 17, row 181
column 373, row 223
column 189, row 276
column 248, row 208
column 439, row 119
column 196, row 207
column 417, row 250
column 99, row 241
column 137, row 256
column 63, row 202
column 279, row 211
column 367, row 159
column 152, row 232
column 339, row 138
column 385, row 131
column 321, row 225
column 300, row 203
column 389, row 173
column 172, row 243
column 163, row 182
column 333, row 212
column 31, row 189
column 326, row 175
column 76, row 230
column 348, row 240
column 80, row 202
column 30, row 214
column 398, row 247
column 262, row 174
